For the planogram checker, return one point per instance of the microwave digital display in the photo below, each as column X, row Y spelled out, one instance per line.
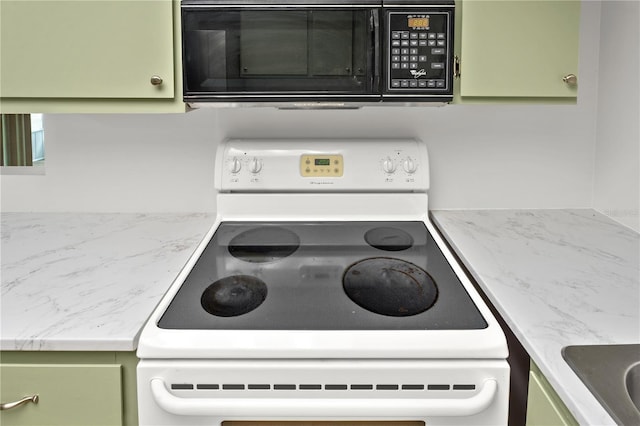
column 418, row 22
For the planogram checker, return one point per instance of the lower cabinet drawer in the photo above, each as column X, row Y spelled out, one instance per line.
column 69, row 394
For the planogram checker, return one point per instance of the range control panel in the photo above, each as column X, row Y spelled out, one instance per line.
column 352, row 165
column 419, row 52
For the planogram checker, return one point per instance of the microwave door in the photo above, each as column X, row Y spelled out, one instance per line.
column 281, row 53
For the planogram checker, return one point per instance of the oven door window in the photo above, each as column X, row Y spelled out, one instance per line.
column 278, row 50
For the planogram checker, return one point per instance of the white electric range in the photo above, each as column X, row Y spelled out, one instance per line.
column 322, row 293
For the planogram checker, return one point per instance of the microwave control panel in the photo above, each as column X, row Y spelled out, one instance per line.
column 419, row 52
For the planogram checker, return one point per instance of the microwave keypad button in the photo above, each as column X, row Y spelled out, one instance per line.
column 431, row 83
column 395, row 35
column 404, row 83
column 422, row 83
column 413, row 83
column 413, row 51
column 432, row 36
column 413, row 43
column 422, row 58
column 395, row 66
column 395, row 51
column 442, row 42
column 422, row 43
column 431, row 43
column 414, row 36
column 404, row 51
column 439, row 83
column 404, row 43
column 413, row 58
column 405, row 35
column 413, row 66
column 395, row 83
column 395, row 43
column 395, row 58
column 437, row 65
column 440, row 35
column 404, row 58
column 437, row 51
column 404, row 65
column 423, row 35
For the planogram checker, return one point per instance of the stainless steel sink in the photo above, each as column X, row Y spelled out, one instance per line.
column 633, row 384
column 612, row 374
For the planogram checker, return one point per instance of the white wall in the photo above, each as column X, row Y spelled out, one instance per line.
column 617, row 167
column 481, row 156
column 120, row 163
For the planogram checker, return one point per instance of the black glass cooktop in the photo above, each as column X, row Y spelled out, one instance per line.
column 322, row 276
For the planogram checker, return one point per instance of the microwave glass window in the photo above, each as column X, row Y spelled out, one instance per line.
column 267, row 50
column 273, row 43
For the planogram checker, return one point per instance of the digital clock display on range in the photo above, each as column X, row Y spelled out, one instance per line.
column 322, row 162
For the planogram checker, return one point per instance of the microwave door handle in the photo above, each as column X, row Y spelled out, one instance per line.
column 377, row 61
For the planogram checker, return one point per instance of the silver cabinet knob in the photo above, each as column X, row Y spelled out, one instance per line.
column 156, row 80
column 26, row 399
column 570, row 79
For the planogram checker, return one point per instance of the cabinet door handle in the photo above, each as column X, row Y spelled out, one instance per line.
column 14, row 404
column 156, row 80
column 570, row 79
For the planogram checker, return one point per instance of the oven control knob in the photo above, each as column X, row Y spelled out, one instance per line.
column 255, row 165
column 388, row 165
column 409, row 165
column 235, row 165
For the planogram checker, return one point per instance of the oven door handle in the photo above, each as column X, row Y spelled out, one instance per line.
column 367, row 408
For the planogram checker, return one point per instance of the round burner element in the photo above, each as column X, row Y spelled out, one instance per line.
column 264, row 244
column 389, row 239
column 391, row 287
column 234, row 295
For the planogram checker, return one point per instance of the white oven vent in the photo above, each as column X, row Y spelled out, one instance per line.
column 323, row 387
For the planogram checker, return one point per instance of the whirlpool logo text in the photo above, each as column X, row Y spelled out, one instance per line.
column 418, row 73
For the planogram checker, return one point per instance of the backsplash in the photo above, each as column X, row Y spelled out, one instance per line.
column 482, row 156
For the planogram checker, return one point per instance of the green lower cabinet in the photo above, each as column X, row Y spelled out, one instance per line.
column 73, row 388
column 544, row 407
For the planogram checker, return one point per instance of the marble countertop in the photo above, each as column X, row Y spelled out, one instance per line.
column 88, row 281
column 558, row 278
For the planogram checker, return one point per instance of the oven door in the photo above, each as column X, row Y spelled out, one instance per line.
column 223, row 392
column 283, row 53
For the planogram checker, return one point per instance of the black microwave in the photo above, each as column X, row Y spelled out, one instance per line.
column 317, row 51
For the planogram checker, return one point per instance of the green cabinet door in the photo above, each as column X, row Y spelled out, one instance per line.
column 98, row 49
column 544, row 406
column 82, row 395
column 518, row 48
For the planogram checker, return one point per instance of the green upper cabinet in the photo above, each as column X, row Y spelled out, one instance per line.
column 518, row 49
column 88, row 55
